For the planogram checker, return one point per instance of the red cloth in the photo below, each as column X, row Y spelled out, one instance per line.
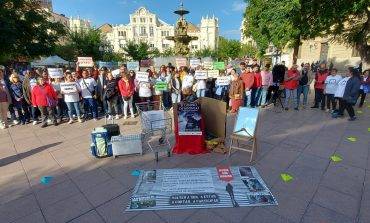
column 248, row 80
column 39, row 94
column 189, row 144
column 292, row 84
column 320, row 79
column 235, row 104
column 257, row 83
column 126, row 88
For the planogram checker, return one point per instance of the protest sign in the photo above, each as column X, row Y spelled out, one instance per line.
column 109, row 65
column 85, row 61
column 200, row 75
column 194, row 63
column 133, row 65
column 189, row 118
column 219, row 65
column 116, row 73
column 55, row 72
column 161, row 86
column 213, row 73
column 146, row 63
column 181, row 62
column 68, row 87
column 208, row 65
column 223, row 81
column 165, row 189
column 142, row 76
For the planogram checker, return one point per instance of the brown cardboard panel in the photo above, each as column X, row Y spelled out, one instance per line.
column 214, row 113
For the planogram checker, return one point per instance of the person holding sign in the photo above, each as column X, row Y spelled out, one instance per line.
column 70, row 89
column 188, row 79
column 291, row 82
column 89, row 94
column 144, row 87
column 222, row 87
column 200, row 85
column 236, row 92
column 127, row 88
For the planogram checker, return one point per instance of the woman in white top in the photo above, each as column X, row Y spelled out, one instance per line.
column 176, row 88
column 72, row 97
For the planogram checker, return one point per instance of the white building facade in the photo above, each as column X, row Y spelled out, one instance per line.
column 79, row 25
column 145, row 26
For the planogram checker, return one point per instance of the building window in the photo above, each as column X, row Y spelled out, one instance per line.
column 151, row 45
column 151, row 31
column 134, row 20
column 121, row 46
column 165, row 33
column 142, row 20
column 134, row 29
column 194, row 47
column 165, row 46
column 151, row 20
column 143, row 31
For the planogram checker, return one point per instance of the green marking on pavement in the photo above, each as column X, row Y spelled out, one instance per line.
column 286, row 177
column 352, row 139
column 336, row 158
column 360, row 112
column 368, row 129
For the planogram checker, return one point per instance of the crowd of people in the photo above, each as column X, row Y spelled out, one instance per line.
column 34, row 97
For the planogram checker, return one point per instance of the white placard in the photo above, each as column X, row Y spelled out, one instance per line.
column 213, row 73
column 208, row 65
column 181, row 62
column 200, row 75
column 68, row 87
column 194, row 63
column 115, row 73
column 55, row 72
column 223, row 81
column 142, row 76
column 85, row 61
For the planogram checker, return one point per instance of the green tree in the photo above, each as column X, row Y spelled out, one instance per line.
column 169, row 52
column 228, row 49
column 346, row 21
column 25, row 31
column 136, row 51
column 206, row 52
column 248, row 50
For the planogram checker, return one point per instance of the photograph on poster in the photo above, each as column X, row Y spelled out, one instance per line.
column 246, row 122
column 189, row 119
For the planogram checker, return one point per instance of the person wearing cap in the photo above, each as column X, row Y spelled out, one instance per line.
column 19, row 102
column 5, row 100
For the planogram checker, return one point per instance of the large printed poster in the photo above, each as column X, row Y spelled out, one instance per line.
column 190, row 118
column 200, row 188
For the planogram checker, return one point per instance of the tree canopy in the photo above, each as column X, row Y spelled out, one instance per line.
column 25, row 31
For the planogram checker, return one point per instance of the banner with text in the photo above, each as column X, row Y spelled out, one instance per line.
column 219, row 65
column 181, row 62
column 68, row 88
column 208, row 65
column 142, row 76
column 200, row 188
column 200, row 75
column 55, row 72
column 133, row 65
column 213, row 73
column 223, row 81
column 85, row 61
column 194, row 63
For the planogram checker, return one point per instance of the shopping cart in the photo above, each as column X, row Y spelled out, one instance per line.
column 156, row 125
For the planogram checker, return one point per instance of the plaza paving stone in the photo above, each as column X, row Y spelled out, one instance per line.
column 86, row 189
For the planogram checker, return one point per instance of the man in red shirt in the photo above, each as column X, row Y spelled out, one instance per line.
column 248, row 80
column 320, row 78
column 257, row 85
column 291, row 84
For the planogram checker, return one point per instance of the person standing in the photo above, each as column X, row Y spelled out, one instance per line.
column 46, row 99
column 291, row 84
column 89, row 94
column 266, row 76
column 365, row 87
column 304, row 85
column 351, row 93
column 236, row 93
column 72, row 98
column 248, row 80
column 256, row 87
column 111, row 95
column 127, row 88
column 19, row 103
column 5, row 101
column 30, row 81
column 61, row 107
column 101, row 80
column 320, row 78
column 176, row 88
column 331, row 85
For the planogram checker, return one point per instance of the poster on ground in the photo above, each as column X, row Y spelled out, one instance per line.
column 85, row 61
column 246, row 122
column 68, row 87
column 200, row 75
column 142, row 76
column 55, row 72
column 189, row 119
column 213, row 187
column 133, row 65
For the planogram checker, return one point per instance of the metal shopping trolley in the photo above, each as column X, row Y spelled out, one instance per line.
column 156, row 125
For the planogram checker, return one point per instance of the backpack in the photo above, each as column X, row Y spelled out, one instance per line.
column 100, row 143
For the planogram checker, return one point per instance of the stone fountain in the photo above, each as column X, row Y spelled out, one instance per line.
column 181, row 37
